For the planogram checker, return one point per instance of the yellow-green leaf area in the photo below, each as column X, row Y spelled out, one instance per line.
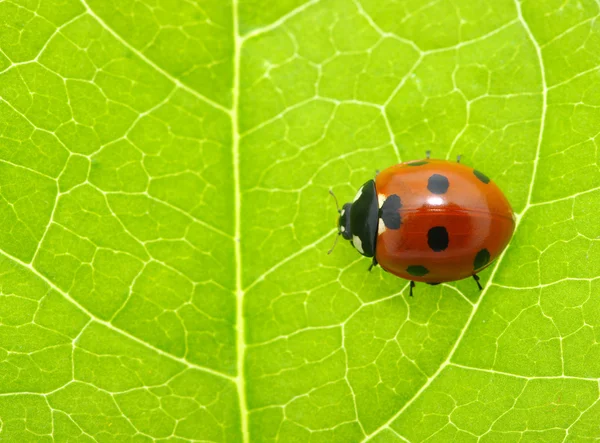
column 164, row 177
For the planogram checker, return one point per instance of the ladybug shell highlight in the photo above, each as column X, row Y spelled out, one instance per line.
column 437, row 221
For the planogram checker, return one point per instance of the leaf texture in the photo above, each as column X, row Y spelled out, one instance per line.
column 164, row 168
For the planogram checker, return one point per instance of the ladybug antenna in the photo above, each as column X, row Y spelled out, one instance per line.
column 334, row 243
column 336, row 202
column 337, row 206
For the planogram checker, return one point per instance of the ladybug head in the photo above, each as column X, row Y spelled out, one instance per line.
column 358, row 220
column 344, row 228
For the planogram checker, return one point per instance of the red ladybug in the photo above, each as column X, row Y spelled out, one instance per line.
column 430, row 221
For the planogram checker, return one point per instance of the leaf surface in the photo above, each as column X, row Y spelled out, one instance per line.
column 164, row 168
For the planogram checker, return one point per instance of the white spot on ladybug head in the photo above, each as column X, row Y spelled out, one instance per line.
column 342, row 229
column 357, row 244
column 357, row 196
column 381, row 198
column 381, row 227
column 342, row 212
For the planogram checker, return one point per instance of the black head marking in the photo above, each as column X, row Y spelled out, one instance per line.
column 417, row 163
column 364, row 219
column 437, row 184
column 481, row 259
column 481, row 176
column 389, row 212
column 417, row 270
column 437, row 238
column 344, row 222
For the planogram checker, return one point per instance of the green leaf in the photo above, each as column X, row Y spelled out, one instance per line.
column 164, row 168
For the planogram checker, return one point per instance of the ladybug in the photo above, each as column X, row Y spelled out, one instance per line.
column 429, row 221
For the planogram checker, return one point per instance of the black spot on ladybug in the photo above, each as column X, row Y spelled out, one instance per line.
column 481, row 259
column 418, row 163
column 389, row 212
column 433, row 283
column 481, row 176
column 437, row 238
column 438, row 184
column 417, row 270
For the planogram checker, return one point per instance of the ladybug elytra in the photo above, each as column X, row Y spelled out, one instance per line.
column 429, row 221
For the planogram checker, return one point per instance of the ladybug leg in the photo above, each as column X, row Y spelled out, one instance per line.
column 373, row 264
column 458, row 158
column 476, row 278
column 412, row 285
column 427, row 154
